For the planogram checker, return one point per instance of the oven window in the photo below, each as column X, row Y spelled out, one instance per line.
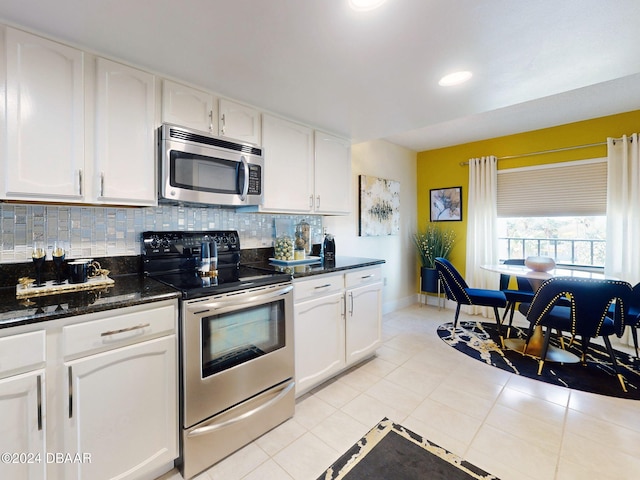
column 204, row 174
column 237, row 337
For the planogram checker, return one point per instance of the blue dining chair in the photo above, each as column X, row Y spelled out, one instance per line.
column 596, row 308
column 524, row 293
column 633, row 316
column 456, row 289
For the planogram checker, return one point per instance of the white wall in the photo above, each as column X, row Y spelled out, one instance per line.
column 384, row 160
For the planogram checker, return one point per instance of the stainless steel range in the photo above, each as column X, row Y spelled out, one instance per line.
column 236, row 341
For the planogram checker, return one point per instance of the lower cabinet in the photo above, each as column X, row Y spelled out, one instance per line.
column 122, row 410
column 337, row 323
column 109, row 407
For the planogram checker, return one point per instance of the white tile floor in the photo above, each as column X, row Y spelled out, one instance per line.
column 511, row 426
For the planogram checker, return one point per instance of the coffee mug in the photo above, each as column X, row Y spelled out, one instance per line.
column 81, row 270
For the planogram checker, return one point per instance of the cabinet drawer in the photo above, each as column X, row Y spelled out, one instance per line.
column 363, row 276
column 317, row 287
column 118, row 330
column 21, row 353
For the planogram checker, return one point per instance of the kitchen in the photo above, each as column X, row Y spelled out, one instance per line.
column 106, row 229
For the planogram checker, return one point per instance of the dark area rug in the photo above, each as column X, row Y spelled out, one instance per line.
column 390, row 451
column 479, row 340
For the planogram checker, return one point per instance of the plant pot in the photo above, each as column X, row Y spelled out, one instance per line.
column 428, row 280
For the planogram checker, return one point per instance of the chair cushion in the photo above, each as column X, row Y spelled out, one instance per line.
column 560, row 318
column 486, row 298
column 518, row 295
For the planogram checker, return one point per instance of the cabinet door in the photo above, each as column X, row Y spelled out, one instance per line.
column 122, row 408
column 319, row 340
column 22, row 426
column 45, row 120
column 124, row 136
column 363, row 322
column 288, row 150
column 239, row 122
column 332, row 174
column 188, row 107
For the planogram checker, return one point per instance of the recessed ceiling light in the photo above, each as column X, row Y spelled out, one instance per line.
column 363, row 5
column 455, row 78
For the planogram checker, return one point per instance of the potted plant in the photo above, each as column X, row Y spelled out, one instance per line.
column 431, row 243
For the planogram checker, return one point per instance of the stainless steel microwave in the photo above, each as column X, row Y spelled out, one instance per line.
column 199, row 168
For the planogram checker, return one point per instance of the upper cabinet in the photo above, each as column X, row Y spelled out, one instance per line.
column 189, row 107
column 44, row 129
column 288, row 173
column 305, row 171
column 57, row 108
column 332, row 173
column 239, row 122
column 124, row 170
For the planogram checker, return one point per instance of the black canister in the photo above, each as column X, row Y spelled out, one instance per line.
column 329, row 250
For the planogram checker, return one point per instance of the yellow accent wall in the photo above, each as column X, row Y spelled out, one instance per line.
column 441, row 168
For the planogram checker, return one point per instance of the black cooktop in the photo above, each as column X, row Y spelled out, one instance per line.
column 173, row 259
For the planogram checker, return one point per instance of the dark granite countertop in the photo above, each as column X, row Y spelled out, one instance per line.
column 307, row 270
column 128, row 290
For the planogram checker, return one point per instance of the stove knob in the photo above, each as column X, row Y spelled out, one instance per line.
column 233, row 240
column 166, row 243
column 154, row 242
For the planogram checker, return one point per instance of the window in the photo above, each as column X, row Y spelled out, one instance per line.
column 555, row 210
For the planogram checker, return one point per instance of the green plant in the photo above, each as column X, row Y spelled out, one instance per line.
column 434, row 242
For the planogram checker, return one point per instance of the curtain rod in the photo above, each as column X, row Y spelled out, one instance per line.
column 576, row 147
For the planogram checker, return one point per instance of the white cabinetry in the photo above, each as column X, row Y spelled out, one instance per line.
column 315, row 168
column 332, row 174
column 23, row 406
column 121, row 393
column 288, row 175
column 57, row 108
column 364, row 313
column 124, row 135
column 318, row 330
column 44, row 129
column 335, row 328
column 189, row 107
column 239, row 122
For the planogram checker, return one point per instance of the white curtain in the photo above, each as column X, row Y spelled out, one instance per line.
column 482, row 229
column 623, row 211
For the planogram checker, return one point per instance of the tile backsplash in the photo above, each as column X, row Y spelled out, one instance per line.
column 109, row 231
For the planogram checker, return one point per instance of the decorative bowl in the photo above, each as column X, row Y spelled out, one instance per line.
column 540, row 264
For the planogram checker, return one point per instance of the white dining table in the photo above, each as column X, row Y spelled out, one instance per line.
column 536, row 279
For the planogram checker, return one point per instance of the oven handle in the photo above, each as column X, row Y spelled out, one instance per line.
column 245, row 187
column 212, row 427
column 201, row 308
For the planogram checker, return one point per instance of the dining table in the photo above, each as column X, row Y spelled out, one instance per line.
column 536, row 279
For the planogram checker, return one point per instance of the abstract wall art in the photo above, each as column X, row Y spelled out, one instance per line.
column 379, row 206
column 446, row 204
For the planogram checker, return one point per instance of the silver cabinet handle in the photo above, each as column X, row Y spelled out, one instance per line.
column 211, row 121
column 323, row 286
column 318, row 201
column 223, row 124
column 310, row 201
column 39, row 395
column 70, row 392
column 351, row 303
column 127, row 329
column 239, row 418
column 80, row 181
column 102, row 184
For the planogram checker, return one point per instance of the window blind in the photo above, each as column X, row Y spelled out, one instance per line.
column 560, row 189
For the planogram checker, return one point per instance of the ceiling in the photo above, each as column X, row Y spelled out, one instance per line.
column 374, row 75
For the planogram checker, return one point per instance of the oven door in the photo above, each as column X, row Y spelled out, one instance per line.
column 235, row 346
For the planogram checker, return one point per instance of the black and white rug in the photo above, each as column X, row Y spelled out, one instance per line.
column 479, row 340
column 390, row 451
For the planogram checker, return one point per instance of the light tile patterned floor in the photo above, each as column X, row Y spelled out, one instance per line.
column 511, row 426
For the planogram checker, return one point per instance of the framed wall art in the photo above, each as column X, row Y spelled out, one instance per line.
column 379, row 206
column 446, row 204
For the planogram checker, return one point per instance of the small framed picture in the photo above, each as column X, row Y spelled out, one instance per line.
column 446, row 204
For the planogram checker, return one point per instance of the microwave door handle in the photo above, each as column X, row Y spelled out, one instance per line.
column 245, row 187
